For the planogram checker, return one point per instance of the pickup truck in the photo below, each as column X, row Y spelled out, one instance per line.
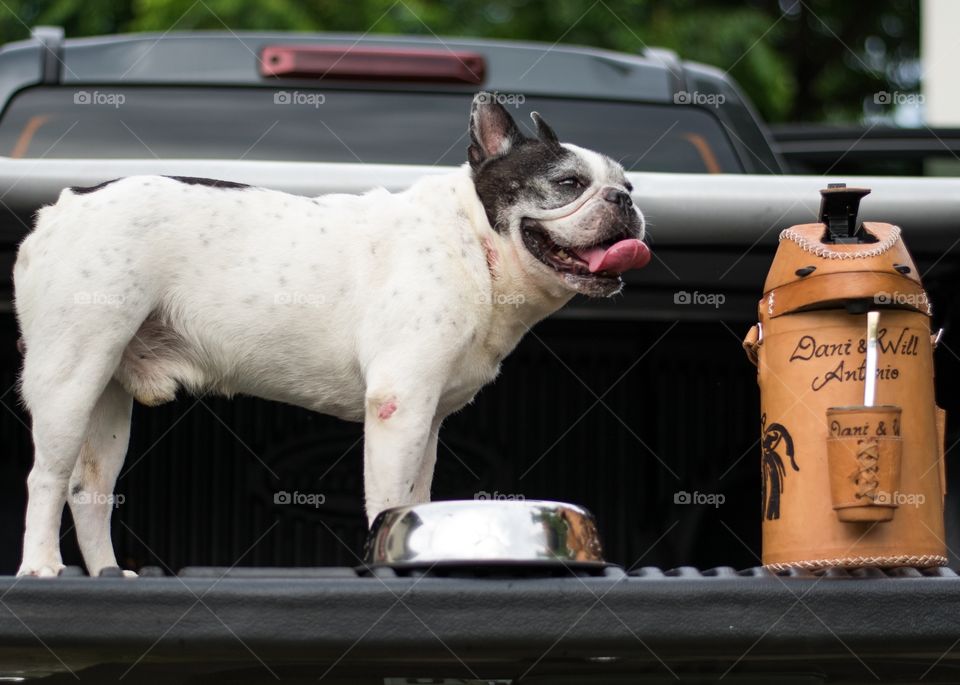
column 872, row 150
column 623, row 406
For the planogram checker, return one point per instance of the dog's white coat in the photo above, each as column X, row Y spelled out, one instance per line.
column 392, row 309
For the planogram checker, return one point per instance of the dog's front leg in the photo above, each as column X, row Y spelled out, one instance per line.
column 398, row 426
column 421, row 489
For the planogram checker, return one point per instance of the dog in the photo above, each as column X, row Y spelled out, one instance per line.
column 393, row 309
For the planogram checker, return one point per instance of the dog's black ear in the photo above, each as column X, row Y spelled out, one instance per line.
column 544, row 132
column 493, row 131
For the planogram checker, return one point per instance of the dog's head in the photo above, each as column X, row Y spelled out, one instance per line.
column 567, row 210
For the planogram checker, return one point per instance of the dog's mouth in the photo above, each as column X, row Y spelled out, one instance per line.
column 601, row 262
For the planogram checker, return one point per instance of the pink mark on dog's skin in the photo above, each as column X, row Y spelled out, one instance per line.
column 491, row 255
column 386, row 409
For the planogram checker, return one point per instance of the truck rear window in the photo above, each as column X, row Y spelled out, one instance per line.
column 338, row 126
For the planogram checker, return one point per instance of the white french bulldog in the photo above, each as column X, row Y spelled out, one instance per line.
column 391, row 309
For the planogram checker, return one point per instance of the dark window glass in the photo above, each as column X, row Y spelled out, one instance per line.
column 338, row 126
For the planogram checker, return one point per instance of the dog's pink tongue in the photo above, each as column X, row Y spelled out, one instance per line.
column 619, row 257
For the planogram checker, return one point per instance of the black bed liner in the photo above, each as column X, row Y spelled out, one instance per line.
column 358, row 626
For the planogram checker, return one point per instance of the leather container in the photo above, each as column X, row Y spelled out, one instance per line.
column 810, row 350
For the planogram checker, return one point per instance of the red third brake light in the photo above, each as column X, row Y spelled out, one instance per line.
column 379, row 64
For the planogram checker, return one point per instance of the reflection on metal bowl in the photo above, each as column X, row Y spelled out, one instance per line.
column 484, row 532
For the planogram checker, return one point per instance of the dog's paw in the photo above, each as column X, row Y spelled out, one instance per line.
column 40, row 570
column 112, row 572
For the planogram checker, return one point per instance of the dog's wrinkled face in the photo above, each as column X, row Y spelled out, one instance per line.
column 567, row 209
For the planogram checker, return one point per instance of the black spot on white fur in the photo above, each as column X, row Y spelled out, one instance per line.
column 209, row 182
column 189, row 180
column 80, row 190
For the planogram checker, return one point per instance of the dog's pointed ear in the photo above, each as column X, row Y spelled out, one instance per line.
column 493, row 132
column 544, row 132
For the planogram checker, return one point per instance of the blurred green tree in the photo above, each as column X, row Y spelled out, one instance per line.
column 798, row 60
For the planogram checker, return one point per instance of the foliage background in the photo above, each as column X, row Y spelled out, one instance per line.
column 798, row 60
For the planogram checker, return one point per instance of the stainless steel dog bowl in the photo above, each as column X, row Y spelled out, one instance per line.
column 484, row 532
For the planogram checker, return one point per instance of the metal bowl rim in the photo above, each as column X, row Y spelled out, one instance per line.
column 554, row 504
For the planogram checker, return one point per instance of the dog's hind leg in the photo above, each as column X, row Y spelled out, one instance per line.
column 95, row 474
column 60, row 388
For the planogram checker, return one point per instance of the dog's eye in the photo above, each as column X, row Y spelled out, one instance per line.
column 628, row 186
column 571, row 182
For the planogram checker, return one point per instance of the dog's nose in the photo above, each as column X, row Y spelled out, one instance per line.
column 618, row 197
